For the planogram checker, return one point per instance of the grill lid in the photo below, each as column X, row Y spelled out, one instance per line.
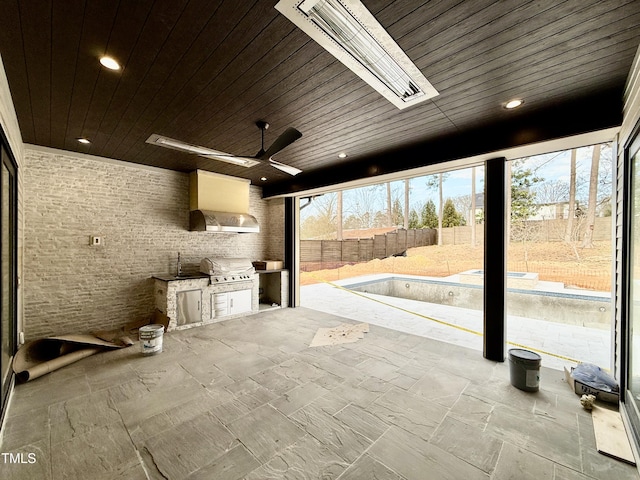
column 226, row 266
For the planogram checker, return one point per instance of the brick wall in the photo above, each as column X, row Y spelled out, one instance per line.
column 142, row 215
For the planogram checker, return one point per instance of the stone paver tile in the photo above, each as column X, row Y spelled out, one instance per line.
column 233, row 465
column 414, row 458
column 367, row 468
column 265, row 432
column 185, row 448
column 332, row 432
column 469, row 443
column 517, row 463
column 305, row 459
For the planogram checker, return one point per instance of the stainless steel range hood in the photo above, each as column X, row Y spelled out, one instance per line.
column 220, row 203
column 210, row 221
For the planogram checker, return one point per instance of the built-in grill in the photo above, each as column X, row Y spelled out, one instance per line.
column 233, row 286
column 226, row 270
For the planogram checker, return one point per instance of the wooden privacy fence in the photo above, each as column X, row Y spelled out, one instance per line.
column 539, row 231
column 364, row 249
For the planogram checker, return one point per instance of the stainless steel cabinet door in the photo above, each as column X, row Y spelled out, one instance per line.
column 189, row 307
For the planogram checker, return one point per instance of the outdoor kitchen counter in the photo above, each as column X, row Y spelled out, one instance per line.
column 191, row 300
column 175, row 278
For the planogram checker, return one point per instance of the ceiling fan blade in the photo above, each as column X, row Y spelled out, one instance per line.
column 285, row 139
column 285, row 168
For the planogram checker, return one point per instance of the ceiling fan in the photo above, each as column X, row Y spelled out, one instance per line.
column 285, row 139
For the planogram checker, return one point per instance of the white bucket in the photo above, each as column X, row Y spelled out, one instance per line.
column 151, row 338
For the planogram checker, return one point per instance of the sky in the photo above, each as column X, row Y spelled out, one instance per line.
column 551, row 167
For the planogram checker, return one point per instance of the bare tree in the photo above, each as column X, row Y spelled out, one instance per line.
column 440, row 209
column 568, row 235
column 321, row 220
column 389, row 214
column 552, row 192
column 605, row 181
column 472, row 217
column 587, row 241
column 339, row 217
column 436, row 181
column 406, row 204
column 363, row 204
column 463, row 206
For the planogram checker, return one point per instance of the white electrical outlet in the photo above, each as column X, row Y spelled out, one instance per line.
column 96, row 241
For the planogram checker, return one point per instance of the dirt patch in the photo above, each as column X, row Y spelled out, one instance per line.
column 553, row 261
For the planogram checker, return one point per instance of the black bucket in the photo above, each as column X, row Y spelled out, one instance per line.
column 524, row 367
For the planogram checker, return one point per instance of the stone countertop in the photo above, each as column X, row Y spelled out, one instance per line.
column 175, row 278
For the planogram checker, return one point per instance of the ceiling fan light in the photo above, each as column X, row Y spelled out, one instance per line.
column 353, row 35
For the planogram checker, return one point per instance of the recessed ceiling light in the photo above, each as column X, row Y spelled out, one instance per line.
column 83, row 140
column 515, row 103
column 109, row 63
column 264, row 179
column 342, row 155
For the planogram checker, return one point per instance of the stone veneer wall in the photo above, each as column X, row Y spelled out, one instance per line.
column 142, row 215
column 275, row 245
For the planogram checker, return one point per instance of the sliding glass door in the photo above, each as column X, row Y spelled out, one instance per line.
column 8, row 269
column 632, row 317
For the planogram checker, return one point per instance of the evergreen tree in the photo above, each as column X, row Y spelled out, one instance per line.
column 450, row 216
column 351, row 222
column 523, row 197
column 397, row 216
column 414, row 219
column 381, row 219
column 523, row 204
column 429, row 217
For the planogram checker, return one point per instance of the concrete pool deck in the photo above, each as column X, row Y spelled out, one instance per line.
column 455, row 325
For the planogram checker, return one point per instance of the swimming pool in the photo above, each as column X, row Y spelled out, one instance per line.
column 589, row 309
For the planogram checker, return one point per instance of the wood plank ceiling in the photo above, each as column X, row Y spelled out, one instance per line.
column 204, row 71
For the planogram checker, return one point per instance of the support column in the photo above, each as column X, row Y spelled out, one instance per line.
column 495, row 259
column 291, row 247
